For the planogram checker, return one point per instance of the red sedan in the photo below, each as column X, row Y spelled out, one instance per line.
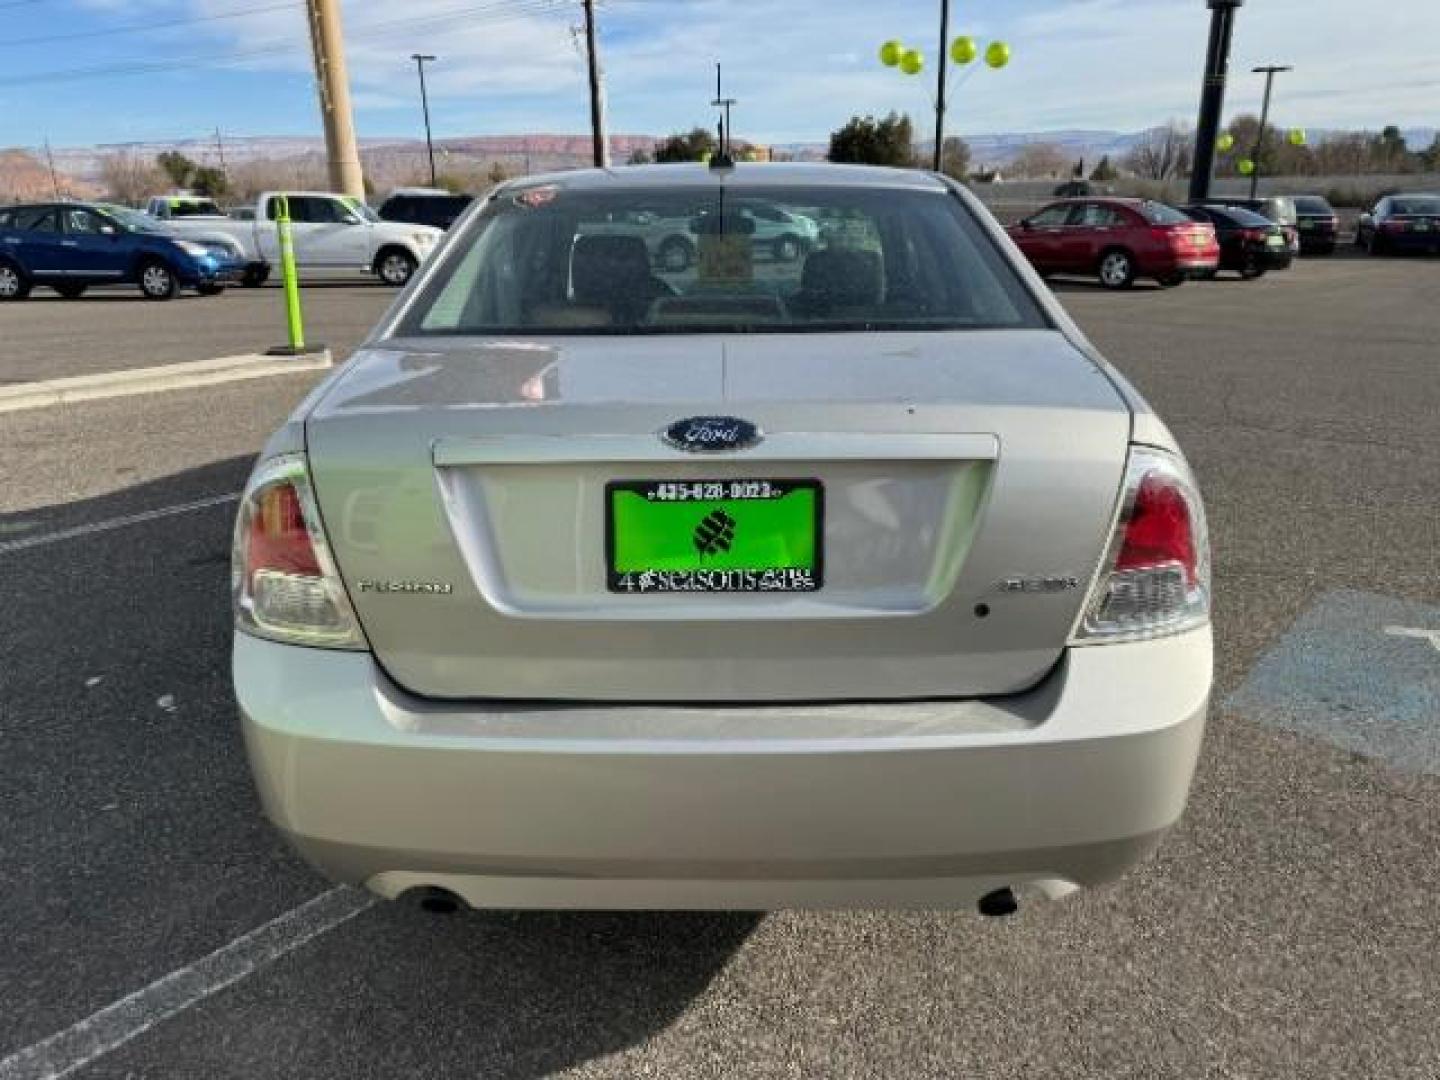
column 1118, row 240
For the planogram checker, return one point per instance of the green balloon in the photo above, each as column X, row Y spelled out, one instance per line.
column 891, row 52
column 1297, row 136
column 1246, row 166
column 1225, row 143
column 963, row 50
column 913, row 62
column 997, row 54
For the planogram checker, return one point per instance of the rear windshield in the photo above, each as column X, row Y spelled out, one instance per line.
column 557, row 261
column 1313, row 204
column 1245, row 219
column 1160, row 214
column 195, row 208
column 1413, row 204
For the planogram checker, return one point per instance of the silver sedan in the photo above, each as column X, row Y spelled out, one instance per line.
column 860, row 580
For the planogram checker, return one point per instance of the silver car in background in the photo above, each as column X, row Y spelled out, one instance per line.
column 856, row 581
column 783, row 235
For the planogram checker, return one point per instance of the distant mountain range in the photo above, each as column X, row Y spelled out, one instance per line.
column 540, row 151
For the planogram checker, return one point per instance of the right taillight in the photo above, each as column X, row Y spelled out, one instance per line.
column 1155, row 577
column 284, row 583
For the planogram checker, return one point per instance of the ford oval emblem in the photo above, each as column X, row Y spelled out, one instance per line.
column 711, row 434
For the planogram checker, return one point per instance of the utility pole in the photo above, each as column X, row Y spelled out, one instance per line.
column 597, row 92
column 1269, row 71
column 327, row 39
column 1212, row 95
column 942, row 53
column 50, row 158
column 420, row 61
column 722, row 102
column 220, row 149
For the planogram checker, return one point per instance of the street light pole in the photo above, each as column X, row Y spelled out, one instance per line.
column 1269, row 72
column 722, row 102
column 1212, row 95
column 420, row 61
column 940, row 85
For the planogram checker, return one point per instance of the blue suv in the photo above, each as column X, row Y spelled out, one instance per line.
column 71, row 246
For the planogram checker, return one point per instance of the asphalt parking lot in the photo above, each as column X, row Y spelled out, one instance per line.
column 1288, row 928
column 48, row 337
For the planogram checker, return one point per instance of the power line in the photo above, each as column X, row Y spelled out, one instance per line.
column 139, row 28
column 502, row 10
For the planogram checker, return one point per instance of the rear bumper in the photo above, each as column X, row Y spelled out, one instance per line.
column 1190, row 266
column 1318, row 238
column 1410, row 241
column 1265, row 257
column 927, row 804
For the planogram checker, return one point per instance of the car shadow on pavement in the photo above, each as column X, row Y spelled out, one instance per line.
column 108, row 294
column 209, row 481
column 359, row 281
column 142, row 700
column 1082, row 284
column 494, row 994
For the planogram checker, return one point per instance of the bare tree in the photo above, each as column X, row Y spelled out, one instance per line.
column 955, row 161
column 248, row 179
column 22, row 176
column 1345, row 153
column 1040, row 160
column 1162, row 152
column 130, row 178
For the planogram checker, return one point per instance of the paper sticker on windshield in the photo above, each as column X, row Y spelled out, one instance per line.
column 726, row 259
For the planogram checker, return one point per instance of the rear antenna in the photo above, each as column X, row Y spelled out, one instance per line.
column 722, row 159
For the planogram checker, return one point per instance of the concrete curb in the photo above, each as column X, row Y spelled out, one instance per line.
column 149, row 380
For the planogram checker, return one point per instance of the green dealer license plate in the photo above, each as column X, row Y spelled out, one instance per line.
column 713, row 535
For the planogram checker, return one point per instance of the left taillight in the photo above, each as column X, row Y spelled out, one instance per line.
column 1155, row 576
column 283, row 581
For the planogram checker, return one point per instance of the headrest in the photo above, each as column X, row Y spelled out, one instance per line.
column 842, row 278
column 602, row 267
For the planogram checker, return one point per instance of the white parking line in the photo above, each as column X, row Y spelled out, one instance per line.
column 150, row 380
column 8, row 546
column 1417, row 632
column 115, row 1025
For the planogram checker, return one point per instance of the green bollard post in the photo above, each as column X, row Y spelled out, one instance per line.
column 287, row 271
column 293, row 316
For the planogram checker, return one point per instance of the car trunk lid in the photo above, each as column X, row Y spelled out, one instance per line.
column 968, row 483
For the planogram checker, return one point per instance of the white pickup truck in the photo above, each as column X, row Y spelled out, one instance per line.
column 332, row 233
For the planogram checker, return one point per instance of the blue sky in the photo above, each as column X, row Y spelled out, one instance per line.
column 800, row 67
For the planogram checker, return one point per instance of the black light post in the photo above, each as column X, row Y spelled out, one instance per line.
column 940, row 84
column 1212, row 95
column 420, row 61
column 1269, row 72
